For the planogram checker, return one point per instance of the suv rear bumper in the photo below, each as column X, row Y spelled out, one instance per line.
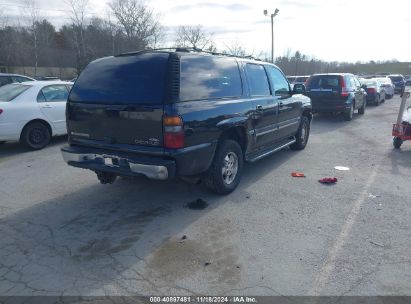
column 119, row 163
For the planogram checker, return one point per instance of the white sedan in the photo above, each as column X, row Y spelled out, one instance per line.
column 33, row 112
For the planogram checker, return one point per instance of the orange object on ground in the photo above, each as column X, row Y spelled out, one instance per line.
column 297, row 174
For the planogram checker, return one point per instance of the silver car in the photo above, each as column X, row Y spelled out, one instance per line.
column 388, row 86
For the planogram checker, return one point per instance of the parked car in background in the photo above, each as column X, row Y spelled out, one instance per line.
column 33, row 112
column 291, row 79
column 11, row 78
column 388, row 87
column 375, row 91
column 336, row 93
column 47, row 78
column 399, row 82
column 182, row 113
column 297, row 80
column 301, row 79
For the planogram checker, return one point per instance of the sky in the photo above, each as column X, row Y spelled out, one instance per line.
column 333, row 30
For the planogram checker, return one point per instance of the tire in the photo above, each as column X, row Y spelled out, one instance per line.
column 35, row 136
column 397, row 142
column 349, row 114
column 225, row 172
column 361, row 110
column 302, row 135
column 106, row 177
column 377, row 101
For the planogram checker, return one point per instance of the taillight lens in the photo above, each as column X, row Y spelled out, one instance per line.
column 173, row 132
column 1, row 111
column 344, row 92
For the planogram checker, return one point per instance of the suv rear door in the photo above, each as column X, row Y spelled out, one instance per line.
column 289, row 107
column 266, row 107
column 119, row 100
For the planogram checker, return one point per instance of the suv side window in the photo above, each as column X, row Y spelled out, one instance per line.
column 53, row 93
column 257, row 79
column 204, row 77
column 353, row 85
column 279, row 83
column 357, row 82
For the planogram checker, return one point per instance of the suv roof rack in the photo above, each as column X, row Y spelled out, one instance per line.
column 187, row 50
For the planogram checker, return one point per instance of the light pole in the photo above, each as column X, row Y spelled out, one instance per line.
column 272, row 31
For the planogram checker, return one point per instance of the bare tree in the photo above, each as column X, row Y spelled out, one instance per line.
column 194, row 36
column 32, row 12
column 79, row 10
column 235, row 48
column 3, row 20
column 139, row 23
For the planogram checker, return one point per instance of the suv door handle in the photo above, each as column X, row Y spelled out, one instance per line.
column 259, row 108
column 46, row 106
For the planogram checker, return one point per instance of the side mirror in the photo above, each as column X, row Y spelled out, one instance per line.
column 299, row 88
column 364, row 87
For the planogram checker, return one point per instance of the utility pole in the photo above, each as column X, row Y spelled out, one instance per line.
column 272, row 30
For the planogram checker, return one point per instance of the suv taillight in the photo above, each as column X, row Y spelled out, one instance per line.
column 1, row 111
column 344, row 92
column 173, row 132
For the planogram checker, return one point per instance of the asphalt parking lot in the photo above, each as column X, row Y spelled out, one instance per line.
column 62, row 233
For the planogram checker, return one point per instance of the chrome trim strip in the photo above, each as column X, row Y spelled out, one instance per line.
column 272, row 151
column 288, row 124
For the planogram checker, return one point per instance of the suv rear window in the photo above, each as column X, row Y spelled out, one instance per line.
column 332, row 82
column 396, row 78
column 204, row 77
column 132, row 79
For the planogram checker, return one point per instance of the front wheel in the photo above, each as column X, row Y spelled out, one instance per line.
column 349, row 114
column 225, row 172
column 301, row 138
column 397, row 142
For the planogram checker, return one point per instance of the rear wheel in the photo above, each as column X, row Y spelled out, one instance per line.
column 301, row 138
column 397, row 142
column 361, row 110
column 377, row 101
column 349, row 113
column 106, row 177
column 225, row 172
column 35, row 136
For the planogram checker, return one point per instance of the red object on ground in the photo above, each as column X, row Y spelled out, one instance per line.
column 297, row 174
column 328, row 180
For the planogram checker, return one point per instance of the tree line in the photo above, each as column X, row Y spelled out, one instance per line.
column 130, row 25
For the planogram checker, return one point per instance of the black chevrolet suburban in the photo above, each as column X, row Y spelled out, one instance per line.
column 186, row 113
